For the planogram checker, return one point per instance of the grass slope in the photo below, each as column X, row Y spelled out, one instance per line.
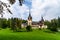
column 7, row 34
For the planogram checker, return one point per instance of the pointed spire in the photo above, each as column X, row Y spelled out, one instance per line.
column 29, row 17
column 29, row 12
column 42, row 18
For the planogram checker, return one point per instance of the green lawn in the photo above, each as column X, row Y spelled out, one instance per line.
column 6, row 34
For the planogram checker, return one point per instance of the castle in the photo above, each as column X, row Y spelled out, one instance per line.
column 35, row 25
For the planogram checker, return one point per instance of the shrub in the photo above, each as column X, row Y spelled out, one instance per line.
column 54, row 29
column 28, row 28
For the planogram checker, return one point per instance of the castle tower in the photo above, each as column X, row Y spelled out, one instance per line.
column 29, row 19
column 42, row 20
column 41, row 23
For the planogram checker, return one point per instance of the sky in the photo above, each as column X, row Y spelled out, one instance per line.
column 49, row 9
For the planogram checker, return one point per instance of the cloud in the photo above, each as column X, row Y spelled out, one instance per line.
column 17, row 10
column 49, row 9
column 46, row 8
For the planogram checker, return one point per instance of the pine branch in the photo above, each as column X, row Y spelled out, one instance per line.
column 9, row 11
column 21, row 2
column 12, row 1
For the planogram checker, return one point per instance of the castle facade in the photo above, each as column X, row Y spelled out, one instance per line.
column 34, row 24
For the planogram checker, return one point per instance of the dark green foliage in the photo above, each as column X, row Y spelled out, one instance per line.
column 19, row 22
column 3, row 23
column 24, row 21
column 12, row 1
column 9, row 23
column 48, row 24
column 21, row 2
column 59, row 22
column 0, row 22
column 54, row 25
column 14, row 24
column 28, row 28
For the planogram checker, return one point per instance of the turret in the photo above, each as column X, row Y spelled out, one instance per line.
column 41, row 22
column 29, row 19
